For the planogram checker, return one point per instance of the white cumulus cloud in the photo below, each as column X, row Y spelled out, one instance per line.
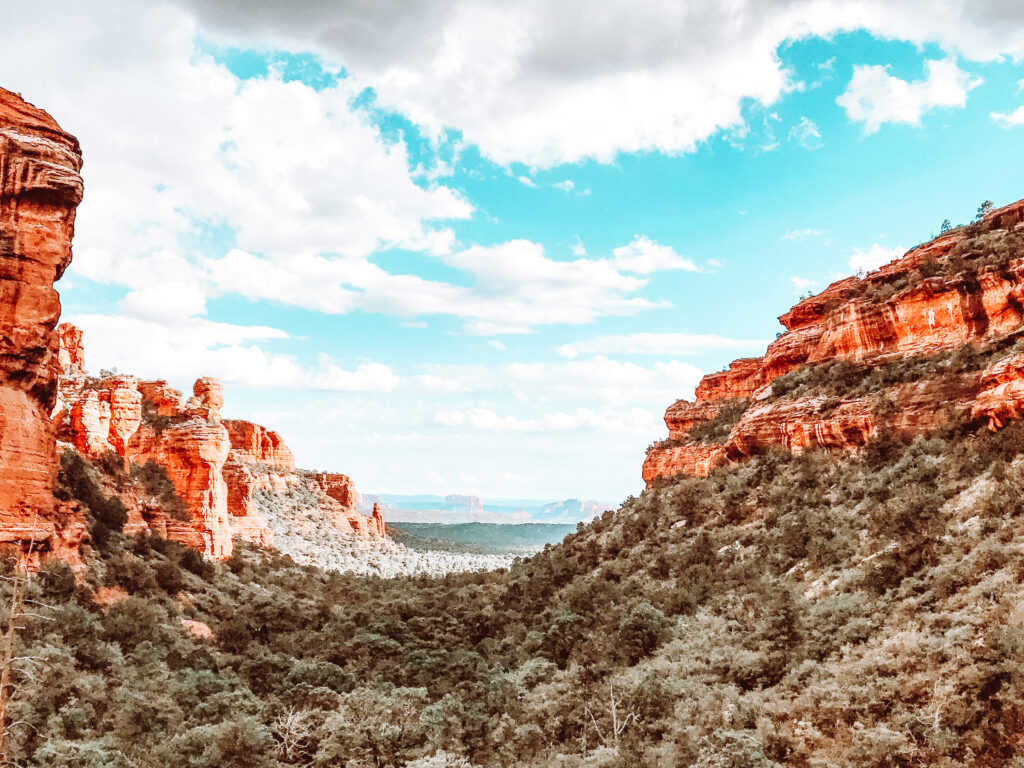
column 1008, row 119
column 644, row 256
column 550, row 83
column 874, row 97
column 874, row 257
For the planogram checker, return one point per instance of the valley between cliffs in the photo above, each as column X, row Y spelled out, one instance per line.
column 826, row 567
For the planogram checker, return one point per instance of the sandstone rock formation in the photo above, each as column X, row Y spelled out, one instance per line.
column 932, row 299
column 106, row 417
column 71, row 356
column 164, row 400
column 217, row 467
column 1001, row 398
column 346, row 517
column 193, row 453
column 254, row 443
column 40, row 188
column 339, row 487
column 259, row 461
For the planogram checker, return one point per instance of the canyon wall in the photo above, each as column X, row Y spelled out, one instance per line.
column 40, row 188
column 934, row 299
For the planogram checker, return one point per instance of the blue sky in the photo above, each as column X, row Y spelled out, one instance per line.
column 478, row 248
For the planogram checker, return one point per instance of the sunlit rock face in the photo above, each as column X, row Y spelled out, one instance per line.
column 192, row 449
column 1001, row 398
column 258, row 444
column 879, row 317
column 664, row 460
column 218, row 467
column 106, row 416
column 342, row 490
column 259, row 460
column 40, row 188
column 339, row 487
column 71, row 350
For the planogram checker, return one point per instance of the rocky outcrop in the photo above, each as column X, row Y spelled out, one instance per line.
column 377, row 521
column 106, row 416
column 1001, row 398
column 683, row 416
column 666, row 459
column 71, row 350
column 914, row 305
column 259, row 461
column 193, row 453
column 217, row 467
column 163, row 399
column 40, row 188
column 339, row 487
column 254, row 443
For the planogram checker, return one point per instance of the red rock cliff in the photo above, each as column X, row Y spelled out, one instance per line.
column 259, row 444
column 339, row 487
column 894, row 312
column 40, row 188
column 193, row 452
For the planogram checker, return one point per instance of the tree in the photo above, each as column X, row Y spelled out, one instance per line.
column 984, row 210
column 19, row 608
column 946, row 226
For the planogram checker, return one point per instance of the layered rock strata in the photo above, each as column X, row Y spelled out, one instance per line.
column 894, row 312
column 40, row 188
column 192, row 449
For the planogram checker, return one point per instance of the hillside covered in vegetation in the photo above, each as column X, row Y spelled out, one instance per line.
column 794, row 610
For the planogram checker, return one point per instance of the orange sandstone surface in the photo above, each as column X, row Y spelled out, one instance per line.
column 40, row 188
column 874, row 319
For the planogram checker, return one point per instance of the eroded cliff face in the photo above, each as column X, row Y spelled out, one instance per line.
column 257, row 444
column 259, row 461
column 40, row 188
column 340, row 489
column 193, row 452
column 216, row 466
column 938, row 297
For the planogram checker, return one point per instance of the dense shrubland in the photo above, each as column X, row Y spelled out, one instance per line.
column 802, row 610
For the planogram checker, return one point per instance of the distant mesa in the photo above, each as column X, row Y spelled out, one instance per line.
column 457, row 503
column 455, row 509
column 571, row 511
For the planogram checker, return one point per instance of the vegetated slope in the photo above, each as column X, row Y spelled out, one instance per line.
column 492, row 537
column 797, row 610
